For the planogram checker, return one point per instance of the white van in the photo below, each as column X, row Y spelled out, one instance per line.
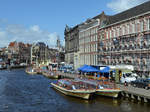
column 128, row 77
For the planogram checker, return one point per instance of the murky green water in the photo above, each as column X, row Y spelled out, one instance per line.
column 20, row 92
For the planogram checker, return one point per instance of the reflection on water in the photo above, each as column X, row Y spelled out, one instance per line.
column 20, row 92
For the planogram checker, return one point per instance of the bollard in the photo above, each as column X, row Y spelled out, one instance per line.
column 132, row 96
column 127, row 95
column 139, row 98
column 145, row 100
column 122, row 94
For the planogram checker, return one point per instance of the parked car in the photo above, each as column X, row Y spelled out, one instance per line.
column 141, row 83
column 23, row 64
column 128, row 77
column 71, row 71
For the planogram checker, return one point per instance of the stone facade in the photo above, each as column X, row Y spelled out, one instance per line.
column 88, row 40
column 71, row 43
column 39, row 53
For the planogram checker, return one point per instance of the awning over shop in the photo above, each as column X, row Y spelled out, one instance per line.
column 81, row 68
column 87, row 68
column 90, row 69
column 105, row 70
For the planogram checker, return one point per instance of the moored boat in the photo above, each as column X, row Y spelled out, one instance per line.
column 73, row 88
column 31, row 71
column 50, row 75
column 104, row 88
column 107, row 89
column 108, row 92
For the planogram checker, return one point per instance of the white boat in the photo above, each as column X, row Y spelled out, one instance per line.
column 108, row 92
column 31, row 71
column 50, row 75
column 104, row 88
column 71, row 88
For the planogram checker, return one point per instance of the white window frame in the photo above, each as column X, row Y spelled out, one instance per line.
column 133, row 27
column 123, row 30
column 142, row 26
column 110, row 34
column 106, row 34
column 128, row 28
column 148, row 23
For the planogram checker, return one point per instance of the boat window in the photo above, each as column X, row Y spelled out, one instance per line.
column 73, row 87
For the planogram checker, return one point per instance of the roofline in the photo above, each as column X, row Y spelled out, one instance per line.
column 126, row 20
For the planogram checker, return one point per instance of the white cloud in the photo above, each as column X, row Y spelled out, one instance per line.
column 121, row 5
column 35, row 28
column 19, row 33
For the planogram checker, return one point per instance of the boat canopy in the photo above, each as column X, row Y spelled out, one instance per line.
column 105, row 70
column 62, row 81
column 93, row 82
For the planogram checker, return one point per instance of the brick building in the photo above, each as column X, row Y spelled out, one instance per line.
column 125, row 40
column 19, row 52
column 88, row 39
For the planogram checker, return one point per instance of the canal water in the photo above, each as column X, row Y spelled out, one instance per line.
column 20, row 92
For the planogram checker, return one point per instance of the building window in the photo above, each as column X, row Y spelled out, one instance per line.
column 96, row 47
column 149, row 23
column 106, row 34
column 133, row 28
column 128, row 28
column 142, row 26
column 136, row 27
column 118, row 32
column 96, row 29
column 96, row 37
column 123, row 30
column 110, row 33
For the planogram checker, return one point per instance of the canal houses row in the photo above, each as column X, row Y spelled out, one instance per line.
column 121, row 39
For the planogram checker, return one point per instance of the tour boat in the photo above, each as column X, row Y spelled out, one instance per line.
column 107, row 89
column 31, row 71
column 73, row 88
column 103, row 87
column 50, row 75
column 108, row 92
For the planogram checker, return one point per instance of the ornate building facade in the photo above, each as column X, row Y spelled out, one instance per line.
column 88, row 39
column 126, row 39
column 71, row 43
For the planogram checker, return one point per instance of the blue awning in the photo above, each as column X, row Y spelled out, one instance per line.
column 105, row 70
column 81, row 68
column 90, row 69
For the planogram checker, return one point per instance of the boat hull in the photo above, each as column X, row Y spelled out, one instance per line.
column 109, row 93
column 31, row 73
column 50, row 76
column 76, row 93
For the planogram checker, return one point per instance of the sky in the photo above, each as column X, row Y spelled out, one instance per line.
column 45, row 20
